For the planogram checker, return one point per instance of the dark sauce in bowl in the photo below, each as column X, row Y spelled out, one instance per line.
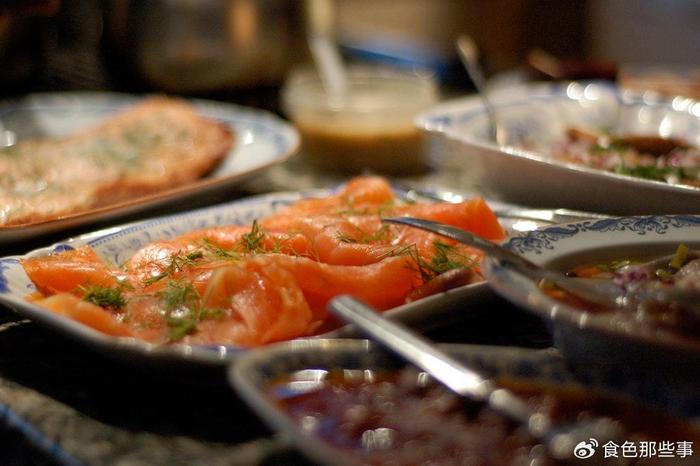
column 404, row 418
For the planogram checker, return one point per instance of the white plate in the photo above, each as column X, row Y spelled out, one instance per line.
column 539, row 114
column 262, row 140
column 595, row 339
column 119, row 243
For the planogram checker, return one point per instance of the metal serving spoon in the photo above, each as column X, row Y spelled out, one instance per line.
column 469, row 54
column 604, row 292
column 465, row 381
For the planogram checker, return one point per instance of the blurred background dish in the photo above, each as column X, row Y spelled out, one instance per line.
column 368, row 127
column 536, row 118
column 667, row 80
column 190, row 46
column 262, row 140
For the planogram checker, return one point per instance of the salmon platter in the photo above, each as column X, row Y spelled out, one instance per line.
column 250, row 272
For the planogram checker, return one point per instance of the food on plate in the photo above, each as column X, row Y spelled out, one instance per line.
column 679, row 271
column 403, row 418
column 670, row 160
column 271, row 280
column 158, row 144
column 667, row 81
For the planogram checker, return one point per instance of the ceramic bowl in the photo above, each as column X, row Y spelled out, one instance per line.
column 596, row 341
column 534, row 117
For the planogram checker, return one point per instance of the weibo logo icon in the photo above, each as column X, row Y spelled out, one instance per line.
column 584, row 449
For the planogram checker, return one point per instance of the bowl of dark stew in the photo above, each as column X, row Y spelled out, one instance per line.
column 349, row 402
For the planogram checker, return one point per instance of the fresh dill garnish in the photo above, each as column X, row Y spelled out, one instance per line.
column 614, row 146
column 218, row 251
column 179, row 301
column 178, row 294
column 364, row 238
column 178, row 262
column 277, row 246
column 385, row 209
column 183, row 308
column 108, row 297
column 446, row 258
column 252, row 241
column 179, row 328
column 351, row 210
column 345, row 238
column 651, row 172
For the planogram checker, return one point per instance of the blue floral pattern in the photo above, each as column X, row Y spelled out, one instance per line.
column 5, row 265
column 119, row 246
column 539, row 240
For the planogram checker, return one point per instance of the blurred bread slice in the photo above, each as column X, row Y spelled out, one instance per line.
column 158, row 144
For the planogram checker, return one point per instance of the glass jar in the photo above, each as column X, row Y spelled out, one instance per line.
column 370, row 127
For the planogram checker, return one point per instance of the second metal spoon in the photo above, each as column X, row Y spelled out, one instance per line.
column 469, row 54
column 466, row 382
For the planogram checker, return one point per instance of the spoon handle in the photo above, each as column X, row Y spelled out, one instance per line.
column 469, row 54
column 413, row 348
column 605, row 292
column 462, row 236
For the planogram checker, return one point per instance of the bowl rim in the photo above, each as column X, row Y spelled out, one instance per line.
column 435, row 121
column 500, row 278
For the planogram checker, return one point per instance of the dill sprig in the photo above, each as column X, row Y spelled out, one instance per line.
column 446, row 258
column 178, row 294
column 364, row 238
column 183, row 308
column 107, row 297
column 178, row 262
column 253, row 241
column 220, row 252
column 351, row 210
column 180, row 328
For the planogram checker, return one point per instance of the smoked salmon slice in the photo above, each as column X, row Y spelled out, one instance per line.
column 67, row 271
column 85, row 312
column 271, row 280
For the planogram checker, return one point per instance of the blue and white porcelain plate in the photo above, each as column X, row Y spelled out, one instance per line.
column 262, row 140
column 533, row 117
column 119, row 243
column 597, row 339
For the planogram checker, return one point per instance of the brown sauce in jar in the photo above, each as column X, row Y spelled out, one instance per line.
column 397, row 151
